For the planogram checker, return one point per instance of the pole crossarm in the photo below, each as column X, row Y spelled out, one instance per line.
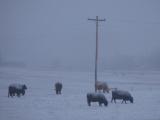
column 96, row 53
column 97, row 19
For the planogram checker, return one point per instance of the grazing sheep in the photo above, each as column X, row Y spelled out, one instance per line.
column 58, row 87
column 124, row 95
column 102, row 86
column 18, row 89
column 96, row 97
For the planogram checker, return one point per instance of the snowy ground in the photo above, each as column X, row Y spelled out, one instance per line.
column 41, row 103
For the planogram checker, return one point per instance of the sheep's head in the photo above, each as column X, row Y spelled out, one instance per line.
column 131, row 99
column 24, row 87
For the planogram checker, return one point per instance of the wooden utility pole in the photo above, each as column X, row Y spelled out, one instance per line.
column 96, row 54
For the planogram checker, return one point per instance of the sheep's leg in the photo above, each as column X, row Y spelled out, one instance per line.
column 100, row 104
column 111, row 99
column 122, row 101
column 56, row 91
column 89, row 103
column 18, row 94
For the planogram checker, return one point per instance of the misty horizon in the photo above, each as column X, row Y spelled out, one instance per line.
column 57, row 34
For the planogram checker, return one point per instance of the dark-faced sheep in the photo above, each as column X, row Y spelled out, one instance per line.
column 102, row 86
column 16, row 89
column 96, row 97
column 58, row 87
column 124, row 95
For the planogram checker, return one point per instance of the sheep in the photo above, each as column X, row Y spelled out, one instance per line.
column 58, row 87
column 102, row 86
column 96, row 97
column 120, row 94
column 18, row 89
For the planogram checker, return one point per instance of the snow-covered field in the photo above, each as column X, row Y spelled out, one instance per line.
column 41, row 102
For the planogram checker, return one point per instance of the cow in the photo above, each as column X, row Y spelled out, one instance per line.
column 120, row 94
column 16, row 89
column 96, row 97
column 99, row 85
column 58, row 87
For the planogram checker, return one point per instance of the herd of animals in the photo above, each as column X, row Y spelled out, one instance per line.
column 19, row 90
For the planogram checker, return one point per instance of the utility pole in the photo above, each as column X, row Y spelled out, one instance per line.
column 96, row 54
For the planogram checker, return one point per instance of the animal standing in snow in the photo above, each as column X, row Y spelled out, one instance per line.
column 124, row 95
column 16, row 89
column 96, row 97
column 102, row 86
column 58, row 87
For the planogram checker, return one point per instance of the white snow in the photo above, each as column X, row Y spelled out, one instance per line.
column 41, row 103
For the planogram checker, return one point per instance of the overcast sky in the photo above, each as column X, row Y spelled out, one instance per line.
column 57, row 32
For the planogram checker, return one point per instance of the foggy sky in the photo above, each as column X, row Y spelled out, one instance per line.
column 57, row 33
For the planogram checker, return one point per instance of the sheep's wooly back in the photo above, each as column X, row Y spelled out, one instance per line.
column 120, row 92
column 18, row 86
column 96, row 95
